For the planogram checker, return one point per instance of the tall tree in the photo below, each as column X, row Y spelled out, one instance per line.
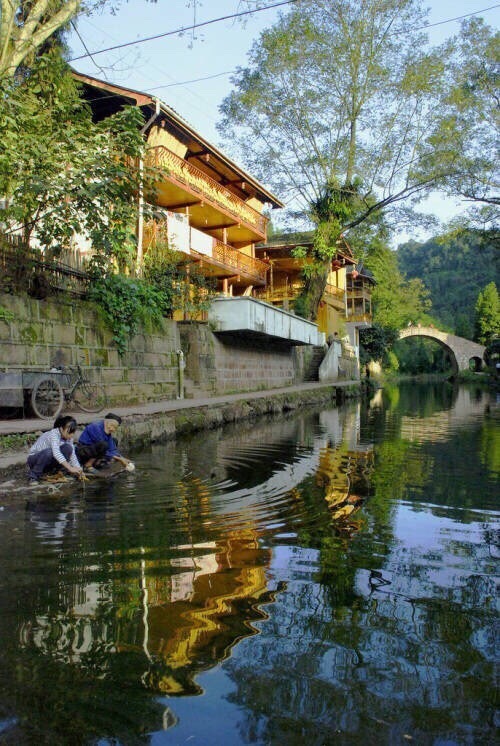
column 62, row 174
column 463, row 137
column 488, row 314
column 26, row 26
column 331, row 111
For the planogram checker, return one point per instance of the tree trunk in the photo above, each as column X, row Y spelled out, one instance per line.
column 314, row 287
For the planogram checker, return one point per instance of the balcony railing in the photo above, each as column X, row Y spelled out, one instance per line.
column 359, row 316
column 199, row 182
column 230, row 257
column 227, row 257
column 278, row 293
column 338, row 294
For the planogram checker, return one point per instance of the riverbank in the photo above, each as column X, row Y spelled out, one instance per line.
column 164, row 420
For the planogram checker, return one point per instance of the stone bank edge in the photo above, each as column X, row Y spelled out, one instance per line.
column 142, row 429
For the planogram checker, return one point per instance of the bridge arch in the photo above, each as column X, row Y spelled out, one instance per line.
column 464, row 354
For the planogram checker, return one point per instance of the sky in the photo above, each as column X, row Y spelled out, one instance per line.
column 171, row 67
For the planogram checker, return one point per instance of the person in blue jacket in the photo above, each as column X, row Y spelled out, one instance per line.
column 100, row 434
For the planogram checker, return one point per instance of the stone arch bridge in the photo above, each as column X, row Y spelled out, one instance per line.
column 464, row 354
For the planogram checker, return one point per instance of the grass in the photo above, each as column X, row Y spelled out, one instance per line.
column 17, row 441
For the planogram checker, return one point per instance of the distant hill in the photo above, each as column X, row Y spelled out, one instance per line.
column 454, row 268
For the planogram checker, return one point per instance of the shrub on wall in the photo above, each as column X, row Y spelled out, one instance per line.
column 126, row 302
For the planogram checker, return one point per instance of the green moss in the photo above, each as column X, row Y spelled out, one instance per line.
column 80, row 335
column 28, row 334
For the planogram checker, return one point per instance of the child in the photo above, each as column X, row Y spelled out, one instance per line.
column 54, row 449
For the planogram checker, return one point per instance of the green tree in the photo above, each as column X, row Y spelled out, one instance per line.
column 25, row 27
column 463, row 137
column 330, row 113
column 63, row 174
column 488, row 314
column 454, row 267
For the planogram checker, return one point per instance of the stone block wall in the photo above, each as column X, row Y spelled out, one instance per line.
column 46, row 333
column 231, row 363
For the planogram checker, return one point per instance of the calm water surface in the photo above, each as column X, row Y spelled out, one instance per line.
column 323, row 578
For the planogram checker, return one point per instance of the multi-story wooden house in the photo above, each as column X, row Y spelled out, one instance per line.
column 285, row 280
column 346, row 303
column 205, row 206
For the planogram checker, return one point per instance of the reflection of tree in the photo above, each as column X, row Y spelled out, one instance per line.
column 405, row 654
column 489, row 451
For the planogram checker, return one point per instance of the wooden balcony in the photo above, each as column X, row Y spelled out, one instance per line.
column 365, row 318
column 336, row 296
column 212, row 206
column 278, row 293
column 223, row 260
column 229, row 258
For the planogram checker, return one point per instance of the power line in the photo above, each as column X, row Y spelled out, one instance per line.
column 236, row 15
column 183, row 29
column 458, row 18
column 229, row 72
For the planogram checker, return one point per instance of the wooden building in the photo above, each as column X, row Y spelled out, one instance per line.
column 205, row 206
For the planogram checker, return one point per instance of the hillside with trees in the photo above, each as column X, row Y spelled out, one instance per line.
column 455, row 268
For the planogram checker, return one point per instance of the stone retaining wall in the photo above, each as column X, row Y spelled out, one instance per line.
column 45, row 333
column 232, row 363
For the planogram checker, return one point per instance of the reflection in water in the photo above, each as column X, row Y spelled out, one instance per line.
column 320, row 577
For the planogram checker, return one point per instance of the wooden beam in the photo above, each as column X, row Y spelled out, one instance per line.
column 239, row 182
column 184, row 204
column 222, row 225
column 203, row 154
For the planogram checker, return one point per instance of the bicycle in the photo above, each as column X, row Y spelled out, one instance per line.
column 48, row 396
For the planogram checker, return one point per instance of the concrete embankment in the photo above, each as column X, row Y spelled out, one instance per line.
column 165, row 420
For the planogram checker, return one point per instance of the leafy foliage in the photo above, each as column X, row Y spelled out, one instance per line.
column 182, row 285
column 63, row 174
column 26, row 27
column 454, row 267
column 463, row 136
column 339, row 147
column 125, row 303
column 488, row 315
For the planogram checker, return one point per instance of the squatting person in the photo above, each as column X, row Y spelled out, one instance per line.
column 54, row 449
column 100, row 434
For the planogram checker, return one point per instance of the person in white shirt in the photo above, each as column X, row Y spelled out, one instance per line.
column 54, row 449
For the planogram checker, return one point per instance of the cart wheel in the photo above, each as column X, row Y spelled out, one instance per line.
column 47, row 399
column 91, row 397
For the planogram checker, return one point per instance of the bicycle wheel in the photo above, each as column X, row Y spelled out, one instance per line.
column 47, row 398
column 91, row 397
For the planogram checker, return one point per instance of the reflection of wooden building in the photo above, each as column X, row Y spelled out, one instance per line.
column 193, row 618
column 345, row 476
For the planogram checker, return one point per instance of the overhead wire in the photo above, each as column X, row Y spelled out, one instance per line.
column 183, row 29
column 193, row 26
column 215, row 20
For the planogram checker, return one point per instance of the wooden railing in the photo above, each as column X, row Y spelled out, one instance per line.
column 199, row 182
column 358, row 316
column 23, row 269
column 230, row 257
column 225, row 256
column 278, row 293
column 336, row 292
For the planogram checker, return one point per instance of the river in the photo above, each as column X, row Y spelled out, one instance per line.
column 326, row 577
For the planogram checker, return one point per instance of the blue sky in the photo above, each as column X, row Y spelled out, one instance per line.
column 164, row 66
